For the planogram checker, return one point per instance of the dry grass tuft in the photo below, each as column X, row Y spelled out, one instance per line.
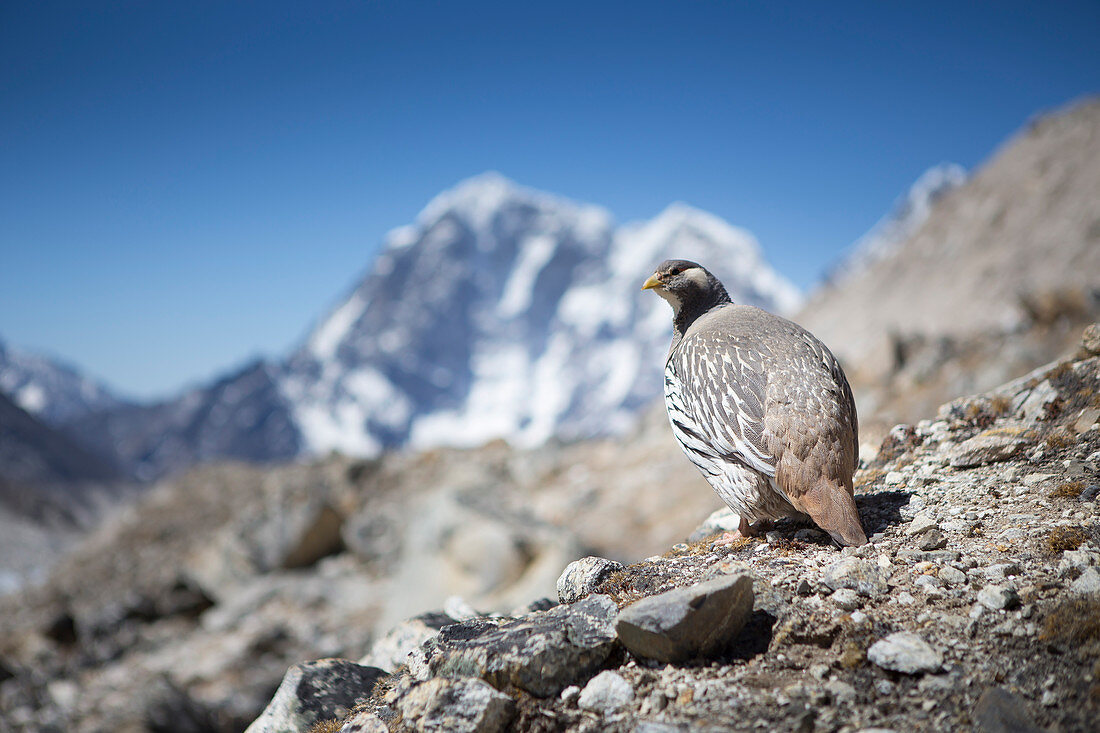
column 1061, row 539
column 619, row 585
column 1073, row 623
column 1000, row 404
column 1060, row 438
column 326, row 726
column 1068, row 490
column 853, row 656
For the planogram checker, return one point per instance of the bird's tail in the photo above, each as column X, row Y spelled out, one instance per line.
column 832, row 508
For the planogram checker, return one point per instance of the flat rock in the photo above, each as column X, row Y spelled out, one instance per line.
column 687, row 622
column 859, row 575
column 1031, row 403
column 846, row 599
column 931, row 539
column 952, row 576
column 920, row 523
column 905, row 652
column 462, row 705
column 985, row 448
column 582, row 577
column 315, row 691
column 999, row 711
column 605, row 693
column 540, row 653
column 937, row 556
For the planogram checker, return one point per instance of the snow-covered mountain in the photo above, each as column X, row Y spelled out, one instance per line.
column 502, row 312
column 507, row 312
column 905, row 217
column 50, row 390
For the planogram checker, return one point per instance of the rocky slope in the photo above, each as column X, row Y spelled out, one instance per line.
column 184, row 612
column 502, row 312
column 974, row 607
column 1004, row 268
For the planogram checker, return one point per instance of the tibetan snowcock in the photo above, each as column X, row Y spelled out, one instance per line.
column 760, row 406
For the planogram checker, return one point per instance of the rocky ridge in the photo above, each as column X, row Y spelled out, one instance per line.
column 1024, row 227
column 975, row 601
column 975, row 605
column 999, row 274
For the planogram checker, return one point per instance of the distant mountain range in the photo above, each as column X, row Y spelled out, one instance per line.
column 49, row 389
column 502, row 312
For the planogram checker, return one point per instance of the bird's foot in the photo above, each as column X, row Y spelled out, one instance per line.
column 729, row 539
column 743, row 532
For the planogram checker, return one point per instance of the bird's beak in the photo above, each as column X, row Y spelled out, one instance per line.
column 652, row 282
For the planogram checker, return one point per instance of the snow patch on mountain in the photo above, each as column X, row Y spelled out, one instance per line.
column 49, row 389
column 324, row 340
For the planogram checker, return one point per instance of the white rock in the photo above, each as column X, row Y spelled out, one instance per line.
column 846, row 599
column 605, row 693
column 905, row 652
column 1077, row 559
column 1088, row 582
column 444, row 704
column 952, row 576
column 998, row 597
column 581, row 577
column 920, row 523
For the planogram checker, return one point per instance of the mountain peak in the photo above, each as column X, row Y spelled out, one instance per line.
column 679, row 215
column 480, row 199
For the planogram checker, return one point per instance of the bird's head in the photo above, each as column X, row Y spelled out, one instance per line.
column 686, row 283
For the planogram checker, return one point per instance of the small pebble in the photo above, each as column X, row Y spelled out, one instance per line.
column 998, row 597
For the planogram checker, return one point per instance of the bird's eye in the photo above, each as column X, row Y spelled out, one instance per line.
column 675, row 271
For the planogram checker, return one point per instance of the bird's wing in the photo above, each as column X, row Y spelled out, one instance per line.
column 716, row 400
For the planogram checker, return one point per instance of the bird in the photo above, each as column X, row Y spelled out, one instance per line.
column 760, row 406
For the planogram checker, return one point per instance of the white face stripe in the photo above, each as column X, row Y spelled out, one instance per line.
column 697, row 275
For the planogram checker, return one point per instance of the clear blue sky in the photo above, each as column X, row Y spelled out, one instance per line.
column 184, row 185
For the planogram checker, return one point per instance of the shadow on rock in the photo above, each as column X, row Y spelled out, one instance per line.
column 755, row 638
column 881, row 510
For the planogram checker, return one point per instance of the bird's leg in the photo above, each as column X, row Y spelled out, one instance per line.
column 744, row 530
column 761, row 527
